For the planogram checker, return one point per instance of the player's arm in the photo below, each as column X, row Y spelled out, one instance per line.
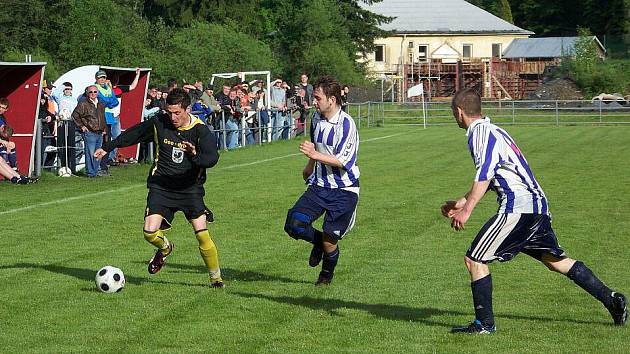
column 308, row 149
column 205, row 153
column 464, row 207
column 139, row 133
column 308, row 169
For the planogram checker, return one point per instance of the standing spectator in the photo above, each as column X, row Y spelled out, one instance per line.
column 233, row 115
column 344, row 98
column 115, row 129
column 89, row 115
column 308, row 89
column 170, row 85
column 260, row 105
column 300, row 110
column 66, row 137
column 278, row 102
column 107, row 97
column 258, row 85
column 48, row 126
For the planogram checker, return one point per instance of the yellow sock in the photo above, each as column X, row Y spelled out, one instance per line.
column 157, row 239
column 208, row 251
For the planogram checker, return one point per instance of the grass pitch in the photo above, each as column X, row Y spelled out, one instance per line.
column 400, row 284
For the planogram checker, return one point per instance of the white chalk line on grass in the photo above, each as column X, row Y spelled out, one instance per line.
column 83, row 196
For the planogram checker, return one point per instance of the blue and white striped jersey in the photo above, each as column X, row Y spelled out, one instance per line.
column 498, row 159
column 337, row 137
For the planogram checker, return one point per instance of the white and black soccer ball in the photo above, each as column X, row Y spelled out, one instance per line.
column 64, row 172
column 110, row 279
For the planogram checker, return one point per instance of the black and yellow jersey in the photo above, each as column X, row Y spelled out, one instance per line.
column 173, row 169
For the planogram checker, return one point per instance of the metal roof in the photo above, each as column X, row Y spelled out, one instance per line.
column 549, row 47
column 441, row 17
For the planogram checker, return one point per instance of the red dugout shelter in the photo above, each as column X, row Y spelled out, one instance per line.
column 132, row 102
column 21, row 84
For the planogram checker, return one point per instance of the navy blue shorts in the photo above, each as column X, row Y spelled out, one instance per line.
column 166, row 204
column 505, row 235
column 339, row 205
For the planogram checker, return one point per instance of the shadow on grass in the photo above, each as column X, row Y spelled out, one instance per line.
column 426, row 315
column 231, row 274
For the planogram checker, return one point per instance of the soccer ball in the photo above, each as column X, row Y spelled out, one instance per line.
column 110, row 279
column 64, row 172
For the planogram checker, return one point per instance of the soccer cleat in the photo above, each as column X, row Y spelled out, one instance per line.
column 324, row 278
column 316, row 256
column 618, row 309
column 217, row 284
column 157, row 261
column 474, row 327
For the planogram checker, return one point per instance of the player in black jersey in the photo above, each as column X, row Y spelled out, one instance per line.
column 185, row 148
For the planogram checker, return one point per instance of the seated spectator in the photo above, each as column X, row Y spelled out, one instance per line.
column 7, row 172
column 7, row 147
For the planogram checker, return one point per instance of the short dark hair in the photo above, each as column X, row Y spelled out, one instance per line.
column 171, row 83
column 178, row 97
column 330, row 86
column 4, row 101
column 468, row 100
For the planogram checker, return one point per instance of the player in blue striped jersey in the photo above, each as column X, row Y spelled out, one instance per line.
column 332, row 176
column 522, row 223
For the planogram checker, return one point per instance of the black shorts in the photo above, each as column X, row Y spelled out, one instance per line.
column 166, row 204
column 505, row 235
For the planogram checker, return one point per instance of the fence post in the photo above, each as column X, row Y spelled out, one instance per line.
column 38, row 148
column 557, row 116
column 223, row 130
column 260, row 128
column 369, row 110
column 359, row 114
column 600, row 111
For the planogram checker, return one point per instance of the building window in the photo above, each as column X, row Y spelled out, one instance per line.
column 467, row 51
column 379, row 53
column 496, row 50
column 423, row 53
column 410, row 45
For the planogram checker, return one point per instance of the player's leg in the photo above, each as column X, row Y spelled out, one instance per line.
column 341, row 207
column 582, row 275
column 501, row 237
column 299, row 224
column 208, row 250
column 158, row 218
column 543, row 246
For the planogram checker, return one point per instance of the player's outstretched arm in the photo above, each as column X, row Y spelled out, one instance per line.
column 141, row 132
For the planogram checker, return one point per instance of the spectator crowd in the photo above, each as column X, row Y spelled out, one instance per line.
column 240, row 113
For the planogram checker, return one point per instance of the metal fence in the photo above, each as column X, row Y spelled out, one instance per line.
column 559, row 112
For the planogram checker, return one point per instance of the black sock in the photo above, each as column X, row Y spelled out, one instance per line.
column 585, row 279
column 330, row 261
column 482, row 300
column 14, row 180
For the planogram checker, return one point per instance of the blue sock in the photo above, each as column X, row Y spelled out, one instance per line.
column 482, row 300
column 329, row 261
column 585, row 279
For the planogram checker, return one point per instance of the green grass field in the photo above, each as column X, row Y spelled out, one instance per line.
column 400, row 284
